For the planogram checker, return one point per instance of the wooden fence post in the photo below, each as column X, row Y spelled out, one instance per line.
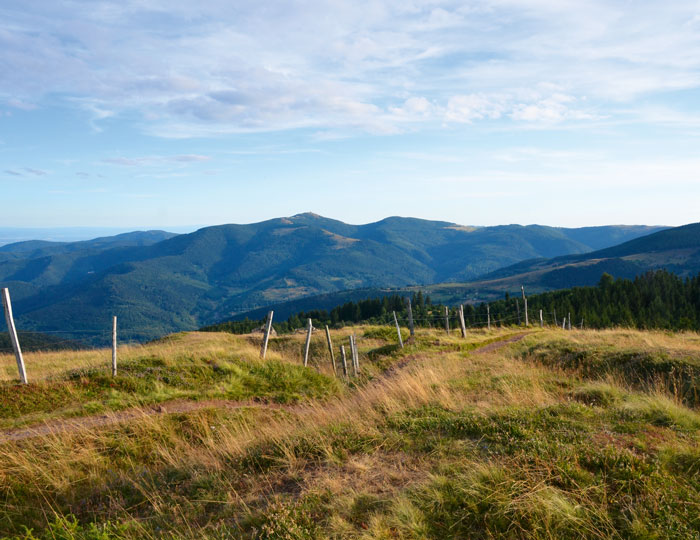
column 447, row 320
column 114, row 346
column 488, row 315
column 541, row 320
column 266, row 337
column 569, row 320
column 345, row 361
column 527, row 320
column 581, row 327
column 309, row 326
column 398, row 330
column 563, row 324
column 355, row 355
column 12, row 331
column 555, row 317
column 410, row 318
column 462, row 325
column 330, row 350
column 352, row 356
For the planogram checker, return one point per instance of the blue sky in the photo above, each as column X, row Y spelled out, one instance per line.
column 159, row 113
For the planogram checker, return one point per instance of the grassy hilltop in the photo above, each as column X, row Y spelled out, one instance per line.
column 554, row 434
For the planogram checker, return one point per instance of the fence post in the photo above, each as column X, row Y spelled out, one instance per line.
column 541, row 320
column 447, row 320
column 461, row 321
column 330, row 350
column 398, row 330
column 355, row 356
column 345, row 361
column 12, row 330
column 488, row 315
column 527, row 320
column 555, row 317
column 266, row 337
column 352, row 356
column 563, row 324
column 410, row 318
column 581, row 328
column 569, row 320
column 114, row 346
column 309, row 328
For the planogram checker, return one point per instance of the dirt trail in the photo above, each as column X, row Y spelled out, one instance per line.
column 55, row 427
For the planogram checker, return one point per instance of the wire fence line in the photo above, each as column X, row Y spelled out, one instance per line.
column 98, row 338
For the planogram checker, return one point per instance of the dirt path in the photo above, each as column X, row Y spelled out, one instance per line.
column 494, row 346
column 72, row 425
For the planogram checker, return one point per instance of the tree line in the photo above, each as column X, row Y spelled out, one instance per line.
column 656, row 299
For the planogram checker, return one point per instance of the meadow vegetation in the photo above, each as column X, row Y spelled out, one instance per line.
column 581, row 434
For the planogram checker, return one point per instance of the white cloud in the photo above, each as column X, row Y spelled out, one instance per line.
column 467, row 108
column 216, row 67
column 155, row 160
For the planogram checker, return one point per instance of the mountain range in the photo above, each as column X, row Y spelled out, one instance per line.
column 674, row 249
column 158, row 282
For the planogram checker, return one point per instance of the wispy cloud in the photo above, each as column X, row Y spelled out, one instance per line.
column 376, row 66
column 26, row 171
column 154, row 160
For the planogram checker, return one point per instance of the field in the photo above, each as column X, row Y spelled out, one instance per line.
column 507, row 434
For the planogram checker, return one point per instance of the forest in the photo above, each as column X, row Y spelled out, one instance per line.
column 657, row 299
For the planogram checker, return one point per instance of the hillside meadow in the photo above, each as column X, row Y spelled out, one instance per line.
column 510, row 433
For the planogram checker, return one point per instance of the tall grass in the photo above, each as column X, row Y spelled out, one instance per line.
column 432, row 442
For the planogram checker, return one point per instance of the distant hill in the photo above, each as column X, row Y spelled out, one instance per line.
column 157, row 282
column 676, row 250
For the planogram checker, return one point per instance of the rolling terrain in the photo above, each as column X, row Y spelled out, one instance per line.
column 676, row 250
column 509, row 433
column 156, row 283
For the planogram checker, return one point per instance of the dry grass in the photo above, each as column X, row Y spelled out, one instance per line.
column 55, row 364
column 482, row 443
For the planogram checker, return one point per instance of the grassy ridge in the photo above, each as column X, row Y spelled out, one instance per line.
column 434, row 441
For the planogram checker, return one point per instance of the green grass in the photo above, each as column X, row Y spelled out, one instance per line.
column 641, row 366
column 152, row 379
column 449, row 445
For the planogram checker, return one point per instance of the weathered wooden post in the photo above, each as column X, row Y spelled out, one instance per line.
column 541, row 320
column 581, row 327
column 351, row 344
column 569, row 320
column 266, row 336
column 345, row 361
column 527, row 320
column 488, row 315
column 12, row 331
column 355, row 356
column 555, row 317
column 352, row 355
column 410, row 318
column 398, row 330
column 330, row 350
column 447, row 320
column 309, row 329
column 462, row 325
column 114, row 346
column 563, row 324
